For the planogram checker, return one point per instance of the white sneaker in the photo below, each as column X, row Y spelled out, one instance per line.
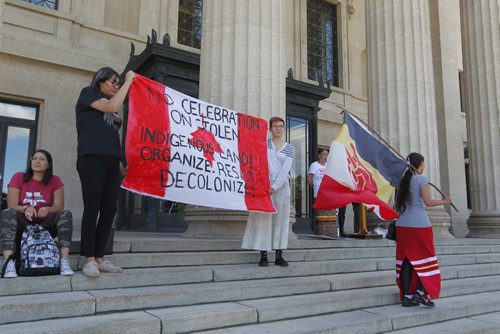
column 10, row 271
column 108, row 267
column 65, row 267
column 91, row 269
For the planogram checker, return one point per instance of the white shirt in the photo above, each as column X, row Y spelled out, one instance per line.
column 280, row 163
column 318, row 171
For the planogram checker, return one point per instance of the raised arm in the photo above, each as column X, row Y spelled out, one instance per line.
column 113, row 104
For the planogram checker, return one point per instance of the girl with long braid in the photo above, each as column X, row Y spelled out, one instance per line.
column 417, row 270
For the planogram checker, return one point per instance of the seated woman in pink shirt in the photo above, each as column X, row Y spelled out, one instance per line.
column 36, row 196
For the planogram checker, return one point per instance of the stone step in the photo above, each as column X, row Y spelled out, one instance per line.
column 245, row 315
column 295, row 269
column 387, row 277
column 478, row 324
column 180, row 295
column 467, row 259
column 446, row 309
column 288, row 307
column 465, row 241
column 164, row 321
column 49, row 305
column 163, row 292
column 467, row 249
column 67, row 304
column 140, row 242
column 460, row 271
column 158, row 242
column 335, row 271
column 117, row 323
column 183, row 295
column 381, row 319
column 279, row 308
column 32, row 285
column 200, row 317
column 148, row 260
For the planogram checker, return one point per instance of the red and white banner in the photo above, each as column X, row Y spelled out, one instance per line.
column 182, row 149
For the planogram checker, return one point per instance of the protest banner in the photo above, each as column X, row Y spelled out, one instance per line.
column 182, row 149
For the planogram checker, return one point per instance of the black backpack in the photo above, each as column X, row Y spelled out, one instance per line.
column 38, row 254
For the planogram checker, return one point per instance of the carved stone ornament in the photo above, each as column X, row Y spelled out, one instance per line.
column 350, row 9
column 154, row 36
column 132, row 49
column 166, row 40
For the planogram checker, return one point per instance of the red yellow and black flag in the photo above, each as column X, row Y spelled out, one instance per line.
column 362, row 169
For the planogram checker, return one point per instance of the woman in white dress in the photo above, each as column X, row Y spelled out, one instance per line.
column 268, row 231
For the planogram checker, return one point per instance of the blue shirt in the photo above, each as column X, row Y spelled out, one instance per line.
column 414, row 214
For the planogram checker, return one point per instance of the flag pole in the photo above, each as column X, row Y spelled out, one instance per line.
column 395, row 152
column 363, row 230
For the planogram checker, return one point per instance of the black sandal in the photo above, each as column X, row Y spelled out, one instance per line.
column 409, row 302
column 424, row 300
column 263, row 259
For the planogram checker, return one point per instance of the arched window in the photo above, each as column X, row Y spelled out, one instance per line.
column 322, row 42
column 189, row 23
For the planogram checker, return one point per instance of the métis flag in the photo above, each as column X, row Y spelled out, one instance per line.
column 360, row 169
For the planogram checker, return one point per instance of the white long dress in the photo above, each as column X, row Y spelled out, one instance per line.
column 267, row 231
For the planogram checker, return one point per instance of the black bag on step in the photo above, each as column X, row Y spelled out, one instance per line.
column 38, row 253
column 391, row 231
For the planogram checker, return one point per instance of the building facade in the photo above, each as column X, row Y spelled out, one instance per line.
column 423, row 73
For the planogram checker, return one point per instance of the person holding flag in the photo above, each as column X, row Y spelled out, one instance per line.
column 417, row 270
column 267, row 231
column 99, row 163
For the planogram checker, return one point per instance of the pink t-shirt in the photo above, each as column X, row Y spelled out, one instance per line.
column 35, row 193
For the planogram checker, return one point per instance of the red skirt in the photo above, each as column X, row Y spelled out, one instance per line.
column 417, row 245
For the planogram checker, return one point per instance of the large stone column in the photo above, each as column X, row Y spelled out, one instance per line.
column 242, row 68
column 481, row 55
column 243, row 56
column 447, row 61
column 401, row 100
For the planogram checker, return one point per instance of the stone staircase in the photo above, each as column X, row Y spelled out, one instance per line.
column 173, row 285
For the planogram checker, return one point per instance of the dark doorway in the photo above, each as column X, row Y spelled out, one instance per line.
column 302, row 106
column 179, row 70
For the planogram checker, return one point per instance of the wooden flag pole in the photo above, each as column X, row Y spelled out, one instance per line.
column 363, row 229
column 397, row 153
